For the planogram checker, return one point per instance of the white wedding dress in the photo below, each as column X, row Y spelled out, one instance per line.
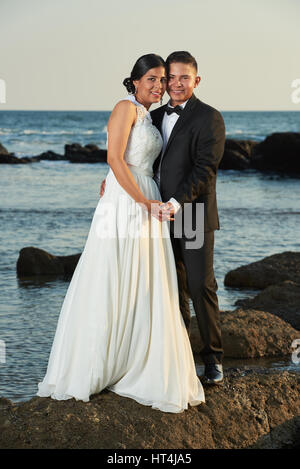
column 120, row 326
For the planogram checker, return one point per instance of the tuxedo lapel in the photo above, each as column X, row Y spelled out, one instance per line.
column 157, row 122
column 159, row 118
column 183, row 118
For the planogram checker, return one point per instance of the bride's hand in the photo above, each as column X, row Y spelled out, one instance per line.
column 102, row 189
column 157, row 209
column 167, row 211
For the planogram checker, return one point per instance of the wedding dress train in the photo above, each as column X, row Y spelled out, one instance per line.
column 120, row 325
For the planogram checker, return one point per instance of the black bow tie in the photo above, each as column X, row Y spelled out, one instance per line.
column 176, row 109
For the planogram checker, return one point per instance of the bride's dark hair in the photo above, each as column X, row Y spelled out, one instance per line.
column 141, row 66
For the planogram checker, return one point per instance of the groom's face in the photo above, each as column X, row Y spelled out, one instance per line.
column 182, row 80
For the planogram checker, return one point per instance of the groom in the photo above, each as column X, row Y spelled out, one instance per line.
column 186, row 170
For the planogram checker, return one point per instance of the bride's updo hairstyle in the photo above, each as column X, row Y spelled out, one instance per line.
column 141, row 67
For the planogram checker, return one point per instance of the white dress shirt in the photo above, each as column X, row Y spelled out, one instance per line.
column 169, row 120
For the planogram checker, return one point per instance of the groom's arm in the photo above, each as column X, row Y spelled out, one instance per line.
column 206, row 156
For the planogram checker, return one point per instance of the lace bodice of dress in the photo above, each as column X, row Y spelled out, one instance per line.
column 144, row 142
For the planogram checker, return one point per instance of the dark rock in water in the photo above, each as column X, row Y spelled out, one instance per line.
column 244, row 147
column 75, row 153
column 282, row 299
column 69, row 263
column 234, row 160
column 34, row 261
column 10, row 158
column 3, row 150
column 249, row 333
column 259, row 410
column 49, row 155
column 278, row 152
column 88, row 154
column 237, row 154
column 268, row 271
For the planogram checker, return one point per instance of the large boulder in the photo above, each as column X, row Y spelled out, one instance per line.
column 250, row 334
column 258, row 410
column 282, row 299
column 88, row 154
column 34, row 262
column 237, row 154
column 280, row 151
column 268, row 271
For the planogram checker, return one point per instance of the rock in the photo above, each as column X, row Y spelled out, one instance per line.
column 49, row 155
column 75, row 153
column 9, row 158
column 3, row 150
column 237, row 154
column 280, row 151
column 34, row 261
column 249, row 334
column 88, row 154
column 282, row 299
column 268, row 271
column 12, row 159
column 261, row 409
column 234, row 160
column 244, row 147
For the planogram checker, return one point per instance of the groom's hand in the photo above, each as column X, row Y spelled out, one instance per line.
column 167, row 212
column 153, row 207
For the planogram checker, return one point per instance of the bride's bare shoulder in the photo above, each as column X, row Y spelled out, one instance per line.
column 125, row 106
column 124, row 112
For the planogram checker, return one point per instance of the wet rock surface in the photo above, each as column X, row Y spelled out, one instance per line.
column 33, row 261
column 250, row 410
column 268, row 271
column 282, row 299
column 250, row 333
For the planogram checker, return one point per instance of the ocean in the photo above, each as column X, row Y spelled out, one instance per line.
column 50, row 205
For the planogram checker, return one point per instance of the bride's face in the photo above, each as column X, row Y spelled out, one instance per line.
column 151, row 87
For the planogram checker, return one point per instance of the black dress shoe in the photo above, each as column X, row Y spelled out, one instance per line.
column 213, row 373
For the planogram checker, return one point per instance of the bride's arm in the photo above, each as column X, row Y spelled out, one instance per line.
column 119, row 125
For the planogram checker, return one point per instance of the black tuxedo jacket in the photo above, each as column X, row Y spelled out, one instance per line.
column 191, row 159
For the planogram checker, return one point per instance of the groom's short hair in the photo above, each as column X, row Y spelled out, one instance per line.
column 182, row 57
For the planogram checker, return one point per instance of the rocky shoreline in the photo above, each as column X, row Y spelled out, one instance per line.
column 279, row 152
column 251, row 410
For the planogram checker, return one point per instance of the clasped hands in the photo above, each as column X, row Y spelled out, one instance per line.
column 160, row 210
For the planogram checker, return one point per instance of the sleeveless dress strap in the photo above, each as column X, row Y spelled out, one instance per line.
column 140, row 109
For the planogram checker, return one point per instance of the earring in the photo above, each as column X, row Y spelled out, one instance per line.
column 161, row 101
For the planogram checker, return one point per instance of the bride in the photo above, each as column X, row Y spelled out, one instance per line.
column 120, row 326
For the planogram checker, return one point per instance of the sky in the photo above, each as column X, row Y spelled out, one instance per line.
column 74, row 54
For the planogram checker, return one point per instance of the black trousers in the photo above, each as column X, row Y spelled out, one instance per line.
column 196, row 280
